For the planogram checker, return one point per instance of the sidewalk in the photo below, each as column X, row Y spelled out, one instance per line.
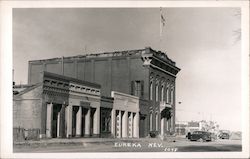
column 83, row 141
column 64, row 141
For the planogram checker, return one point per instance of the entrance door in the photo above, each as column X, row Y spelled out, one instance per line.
column 74, row 112
column 56, row 120
column 84, row 110
column 105, row 122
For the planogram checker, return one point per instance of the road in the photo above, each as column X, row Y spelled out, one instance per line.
column 145, row 145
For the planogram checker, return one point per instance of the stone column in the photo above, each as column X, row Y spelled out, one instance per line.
column 162, row 126
column 151, row 122
column 58, row 124
column 131, row 125
column 119, row 127
column 49, row 120
column 125, row 124
column 113, row 121
column 171, row 124
column 79, row 122
column 96, row 123
column 66, row 124
column 87, row 123
column 167, row 124
column 157, row 122
column 136, row 125
column 68, row 114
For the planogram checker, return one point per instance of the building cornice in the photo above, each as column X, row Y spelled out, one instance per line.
column 123, row 94
column 71, row 80
column 170, row 65
column 154, row 66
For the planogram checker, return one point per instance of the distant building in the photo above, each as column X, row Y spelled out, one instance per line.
column 193, row 126
column 183, row 127
column 125, row 93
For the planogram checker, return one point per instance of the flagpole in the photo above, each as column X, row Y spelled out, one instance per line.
column 160, row 27
column 162, row 24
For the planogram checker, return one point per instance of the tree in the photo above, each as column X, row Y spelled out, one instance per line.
column 210, row 126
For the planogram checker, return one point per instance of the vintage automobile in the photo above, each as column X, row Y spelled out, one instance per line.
column 201, row 136
column 224, row 136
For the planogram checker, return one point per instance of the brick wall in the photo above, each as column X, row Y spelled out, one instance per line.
column 27, row 109
column 109, row 72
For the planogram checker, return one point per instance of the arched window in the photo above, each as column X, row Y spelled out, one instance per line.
column 157, row 90
column 156, row 122
column 151, row 121
column 172, row 96
column 162, row 93
column 167, row 93
column 151, row 90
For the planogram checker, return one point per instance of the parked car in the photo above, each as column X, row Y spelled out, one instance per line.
column 201, row 136
column 224, row 136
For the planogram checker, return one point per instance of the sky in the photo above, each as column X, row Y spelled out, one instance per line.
column 202, row 42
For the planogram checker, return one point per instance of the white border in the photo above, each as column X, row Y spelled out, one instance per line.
column 6, row 75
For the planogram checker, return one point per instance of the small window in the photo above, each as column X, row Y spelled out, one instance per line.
column 137, row 88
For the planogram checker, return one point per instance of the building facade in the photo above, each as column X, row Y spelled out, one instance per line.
column 183, row 127
column 59, row 106
column 125, row 116
column 138, row 85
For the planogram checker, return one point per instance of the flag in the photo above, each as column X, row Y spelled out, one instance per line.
column 162, row 21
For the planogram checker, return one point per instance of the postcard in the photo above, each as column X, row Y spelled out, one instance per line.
column 123, row 79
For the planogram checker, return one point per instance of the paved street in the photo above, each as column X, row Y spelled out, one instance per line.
column 136, row 145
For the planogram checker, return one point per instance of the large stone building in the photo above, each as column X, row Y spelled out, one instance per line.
column 120, row 94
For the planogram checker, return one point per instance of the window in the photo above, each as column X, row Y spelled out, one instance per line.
column 106, row 124
column 157, row 91
column 162, row 93
column 137, row 88
column 156, row 122
column 151, row 90
column 167, row 93
column 151, row 122
column 172, row 97
column 169, row 96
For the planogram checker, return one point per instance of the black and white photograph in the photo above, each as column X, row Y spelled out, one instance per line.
column 136, row 79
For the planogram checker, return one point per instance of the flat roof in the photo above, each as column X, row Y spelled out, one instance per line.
column 158, row 54
column 70, row 79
